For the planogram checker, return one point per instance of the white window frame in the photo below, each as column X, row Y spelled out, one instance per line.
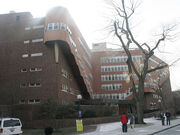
column 36, row 54
column 37, row 40
column 26, row 42
column 25, row 55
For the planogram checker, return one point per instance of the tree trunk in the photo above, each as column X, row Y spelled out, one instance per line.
column 140, row 103
column 140, row 112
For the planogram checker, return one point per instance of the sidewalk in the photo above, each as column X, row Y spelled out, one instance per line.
column 152, row 126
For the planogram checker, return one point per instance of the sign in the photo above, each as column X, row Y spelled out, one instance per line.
column 79, row 125
column 79, row 114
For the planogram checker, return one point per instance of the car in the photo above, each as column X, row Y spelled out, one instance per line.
column 10, row 126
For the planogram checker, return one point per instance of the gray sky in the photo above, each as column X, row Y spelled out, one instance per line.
column 92, row 17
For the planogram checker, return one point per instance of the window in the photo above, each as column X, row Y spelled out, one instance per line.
column 37, row 40
column 36, row 54
column 64, row 87
column 37, row 69
column 33, row 101
column 50, row 26
column 34, row 85
column 26, row 42
column 53, row 26
column 23, row 70
column 56, row 25
column 22, row 102
column 23, row 85
column 17, row 18
column 25, row 55
column 38, row 27
column 11, row 123
column 63, row 26
column 27, row 28
column 69, row 31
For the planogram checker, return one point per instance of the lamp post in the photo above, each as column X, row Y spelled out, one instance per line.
column 79, row 123
column 79, row 97
column 159, row 101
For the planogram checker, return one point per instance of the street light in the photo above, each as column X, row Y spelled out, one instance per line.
column 79, row 123
column 79, row 97
column 159, row 101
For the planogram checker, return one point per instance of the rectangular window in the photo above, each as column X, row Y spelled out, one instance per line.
column 33, row 101
column 23, row 85
column 56, row 26
column 50, row 26
column 22, row 102
column 38, row 27
column 36, row 54
column 53, row 26
column 63, row 26
column 23, row 70
column 34, row 85
column 37, row 40
column 69, row 31
column 27, row 28
column 64, row 87
column 25, row 55
column 26, row 42
column 37, row 69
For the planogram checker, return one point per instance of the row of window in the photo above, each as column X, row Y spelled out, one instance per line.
column 55, row 26
column 155, row 96
column 84, row 48
column 30, row 101
column 111, row 86
column 114, row 68
column 34, row 27
column 24, row 85
column 70, row 90
column 117, row 96
column 120, row 59
column 32, row 55
column 153, row 61
column 149, row 85
column 161, row 76
column 87, row 63
column 66, row 74
column 34, row 41
column 36, row 69
column 115, row 77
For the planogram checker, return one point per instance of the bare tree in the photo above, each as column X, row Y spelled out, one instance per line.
column 123, row 32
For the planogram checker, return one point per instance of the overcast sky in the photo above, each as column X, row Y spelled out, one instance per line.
column 92, row 17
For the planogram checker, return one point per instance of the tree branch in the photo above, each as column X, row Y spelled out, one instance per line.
column 157, row 68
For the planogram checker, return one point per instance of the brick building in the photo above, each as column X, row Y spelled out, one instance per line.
column 112, row 81
column 47, row 57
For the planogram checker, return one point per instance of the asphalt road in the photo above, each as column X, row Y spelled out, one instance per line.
column 171, row 131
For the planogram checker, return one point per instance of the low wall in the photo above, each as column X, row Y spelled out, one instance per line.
column 35, row 124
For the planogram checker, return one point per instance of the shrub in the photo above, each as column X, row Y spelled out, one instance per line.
column 108, row 112
column 66, row 111
column 89, row 114
column 48, row 109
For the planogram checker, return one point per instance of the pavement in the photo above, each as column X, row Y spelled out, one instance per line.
column 152, row 127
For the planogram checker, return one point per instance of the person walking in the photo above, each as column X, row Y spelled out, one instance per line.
column 124, row 121
column 48, row 130
column 132, row 120
column 168, row 117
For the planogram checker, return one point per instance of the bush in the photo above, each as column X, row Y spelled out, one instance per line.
column 66, row 111
column 108, row 112
column 48, row 109
column 89, row 114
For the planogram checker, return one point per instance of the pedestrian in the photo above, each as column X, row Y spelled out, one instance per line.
column 168, row 117
column 124, row 121
column 163, row 117
column 48, row 130
column 132, row 120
